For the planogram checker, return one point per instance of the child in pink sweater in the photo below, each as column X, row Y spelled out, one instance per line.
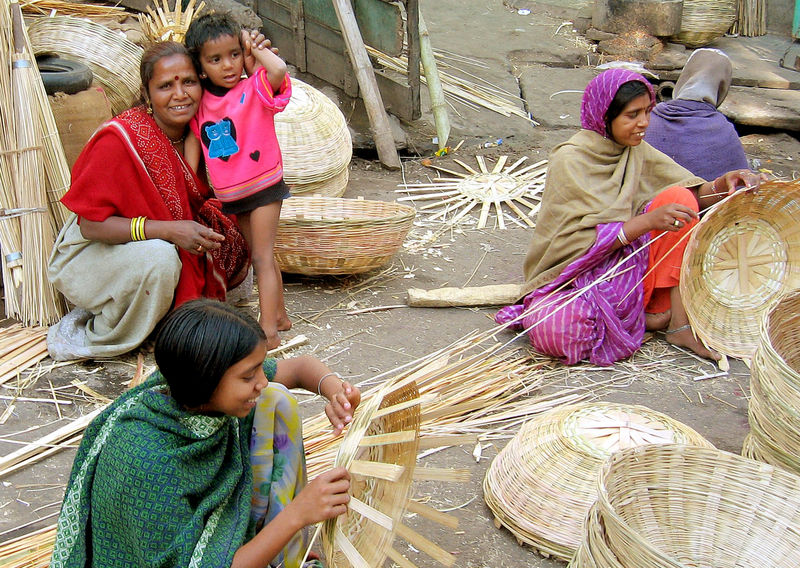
column 234, row 126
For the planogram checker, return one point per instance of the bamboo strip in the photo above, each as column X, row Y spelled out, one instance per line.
column 387, row 471
column 371, row 513
column 350, row 551
column 428, row 442
column 399, row 559
column 432, row 514
column 398, row 407
column 442, row 474
column 428, row 547
column 387, row 439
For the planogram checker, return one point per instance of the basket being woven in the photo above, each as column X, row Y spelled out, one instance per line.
column 113, row 58
column 315, row 143
column 671, row 506
column 541, row 485
column 774, row 407
column 328, row 235
column 741, row 257
column 703, row 21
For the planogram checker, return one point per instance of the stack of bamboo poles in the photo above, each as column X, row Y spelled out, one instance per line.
column 67, row 8
column 33, row 174
column 751, row 19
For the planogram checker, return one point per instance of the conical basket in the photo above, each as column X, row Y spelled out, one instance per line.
column 541, row 485
column 315, row 143
column 674, row 506
column 741, row 257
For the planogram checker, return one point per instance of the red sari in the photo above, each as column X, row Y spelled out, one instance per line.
column 129, row 168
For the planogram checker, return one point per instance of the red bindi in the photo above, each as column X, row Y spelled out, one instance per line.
column 177, row 78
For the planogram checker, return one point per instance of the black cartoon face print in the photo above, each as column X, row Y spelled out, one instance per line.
column 219, row 138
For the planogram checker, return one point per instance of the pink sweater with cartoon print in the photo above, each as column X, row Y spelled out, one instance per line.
column 237, row 133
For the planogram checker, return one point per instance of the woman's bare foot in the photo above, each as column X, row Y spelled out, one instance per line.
column 683, row 337
column 273, row 340
column 656, row 322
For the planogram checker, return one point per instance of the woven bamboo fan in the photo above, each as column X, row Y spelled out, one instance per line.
column 113, row 58
column 774, row 407
column 703, row 21
column 541, row 485
column 315, row 143
column 675, row 506
column 740, row 258
column 328, row 235
column 380, row 451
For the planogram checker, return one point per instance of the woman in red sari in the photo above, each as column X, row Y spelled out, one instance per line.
column 147, row 234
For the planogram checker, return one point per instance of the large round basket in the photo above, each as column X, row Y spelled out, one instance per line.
column 703, row 21
column 328, row 235
column 740, row 258
column 676, row 506
column 315, row 143
column 774, row 407
column 113, row 58
column 541, row 485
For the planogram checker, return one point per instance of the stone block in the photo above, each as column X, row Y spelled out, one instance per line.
column 655, row 17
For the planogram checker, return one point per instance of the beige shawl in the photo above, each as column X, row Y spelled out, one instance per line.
column 592, row 180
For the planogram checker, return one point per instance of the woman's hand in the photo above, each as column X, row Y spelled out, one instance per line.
column 732, row 181
column 325, row 497
column 341, row 406
column 672, row 217
column 192, row 236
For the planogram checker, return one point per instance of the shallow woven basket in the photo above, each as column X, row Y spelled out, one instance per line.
column 328, row 235
column 674, row 506
column 774, row 407
column 354, row 537
column 315, row 143
column 113, row 58
column 541, row 485
column 741, row 257
column 703, row 21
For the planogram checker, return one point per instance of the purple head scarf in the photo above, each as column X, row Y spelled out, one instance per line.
column 601, row 91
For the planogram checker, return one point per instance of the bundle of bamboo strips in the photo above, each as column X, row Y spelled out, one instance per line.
column 20, row 349
column 31, row 550
column 465, row 91
column 751, row 18
column 10, row 232
column 164, row 24
column 67, row 8
column 40, row 303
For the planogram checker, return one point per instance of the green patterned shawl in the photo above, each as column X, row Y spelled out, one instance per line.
column 154, row 486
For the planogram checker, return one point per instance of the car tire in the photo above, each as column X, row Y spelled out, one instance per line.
column 63, row 75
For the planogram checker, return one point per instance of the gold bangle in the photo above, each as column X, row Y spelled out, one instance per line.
column 142, row 221
column 133, row 229
column 137, row 229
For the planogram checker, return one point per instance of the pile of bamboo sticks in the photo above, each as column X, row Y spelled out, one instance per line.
column 20, row 349
column 751, row 19
column 33, row 176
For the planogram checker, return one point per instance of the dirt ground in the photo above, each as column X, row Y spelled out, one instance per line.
column 360, row 344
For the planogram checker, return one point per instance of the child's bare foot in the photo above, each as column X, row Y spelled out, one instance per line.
column 273, row 340
column 683, row 337
column 655, row 322
column 284, row 323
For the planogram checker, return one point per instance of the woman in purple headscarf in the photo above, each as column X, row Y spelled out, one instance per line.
column 612, row 207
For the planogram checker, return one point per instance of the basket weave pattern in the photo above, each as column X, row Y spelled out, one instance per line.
column 740, row 258
column 315, row 143
column 774, row 407
column 541, row 485
column 703, row 21
column 113, row 59
column 327, row 235
column 674, row 506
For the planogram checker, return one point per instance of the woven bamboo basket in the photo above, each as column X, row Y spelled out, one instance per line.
column 315, row 143
column 328, row 235
column 703, row 21
column 375, row 442
column 113, row 58
column 774, row 407
column 541, row 485
column 741, row 257
column 675, row 506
